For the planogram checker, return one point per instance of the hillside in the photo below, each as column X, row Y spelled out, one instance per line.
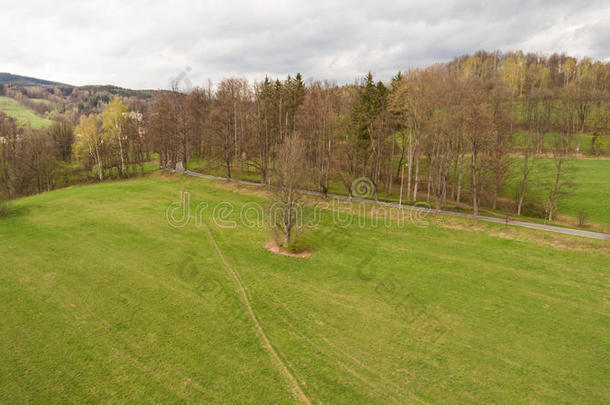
column 25, row 81
column 44, row 98
column 23, row 114
column 101, row 300
column 17, row 80
column 119, row 91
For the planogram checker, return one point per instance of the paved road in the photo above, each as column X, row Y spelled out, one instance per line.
column 524, row 224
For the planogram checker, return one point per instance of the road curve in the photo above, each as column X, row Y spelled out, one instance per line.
column 524, row 224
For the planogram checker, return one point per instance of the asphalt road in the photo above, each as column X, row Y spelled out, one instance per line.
column 524, row 224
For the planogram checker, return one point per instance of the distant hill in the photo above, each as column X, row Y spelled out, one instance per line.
column 25, row 81
column 16, row 80
column 120, row 91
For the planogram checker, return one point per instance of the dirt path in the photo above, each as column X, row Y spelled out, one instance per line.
column 290, row 379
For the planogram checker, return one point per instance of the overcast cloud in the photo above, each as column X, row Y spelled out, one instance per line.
column 142, row 44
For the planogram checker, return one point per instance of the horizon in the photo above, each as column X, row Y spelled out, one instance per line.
column 184, row 75
column 101, row 44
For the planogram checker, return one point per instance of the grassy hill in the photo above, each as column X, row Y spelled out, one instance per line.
column 102, row 301
column 23, row 114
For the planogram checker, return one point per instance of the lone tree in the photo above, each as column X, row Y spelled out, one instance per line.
column 291, row 174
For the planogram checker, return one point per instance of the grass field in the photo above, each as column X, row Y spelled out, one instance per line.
column 588, row 189
column 12, row 108
column 582, row 141
column 102, row 301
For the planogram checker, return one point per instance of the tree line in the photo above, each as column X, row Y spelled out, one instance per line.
column 111, row 144
column 444, row 133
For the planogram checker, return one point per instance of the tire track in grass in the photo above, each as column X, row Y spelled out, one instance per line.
column 290, row 379
column 388, row 384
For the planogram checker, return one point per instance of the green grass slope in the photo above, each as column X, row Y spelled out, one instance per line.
column 102, row 301
column 587, row 190
column 23, row 114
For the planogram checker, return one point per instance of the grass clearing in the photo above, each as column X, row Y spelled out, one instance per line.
column 589, row 191
column 23, row 114
column 584, row 142
column 101, row 300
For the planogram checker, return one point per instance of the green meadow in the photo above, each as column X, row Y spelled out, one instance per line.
column 23, row 114
column 586, row 189
column 584, row 142
column 102, row 300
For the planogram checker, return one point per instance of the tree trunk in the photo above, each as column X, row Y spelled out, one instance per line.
column 410, row 163
column 288, row 222
column 459, row 180
column 429, row 182
column 416, row 179
column 228, row 167
column 475, row 197
column 118, row 129
column 392, row 165
column 99, row 164
column 555, row 190
column 526, row 171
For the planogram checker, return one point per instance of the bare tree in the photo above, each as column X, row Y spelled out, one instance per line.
column 291, row 174
column 479, row 126
column 526, row 168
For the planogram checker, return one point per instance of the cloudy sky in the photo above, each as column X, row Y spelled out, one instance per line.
column 143, row 44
